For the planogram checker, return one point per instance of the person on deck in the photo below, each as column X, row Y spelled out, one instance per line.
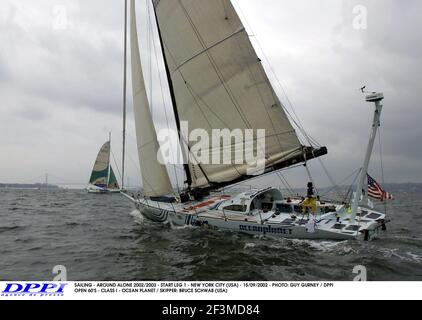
column 310, row 202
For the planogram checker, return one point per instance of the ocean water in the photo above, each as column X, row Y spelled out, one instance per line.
column 102, row 237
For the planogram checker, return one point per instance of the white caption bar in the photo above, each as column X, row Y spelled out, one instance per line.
column 211, row 290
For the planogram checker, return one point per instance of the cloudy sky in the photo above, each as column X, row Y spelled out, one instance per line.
column 61, row 82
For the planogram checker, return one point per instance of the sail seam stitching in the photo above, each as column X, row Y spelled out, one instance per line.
column 205, row 50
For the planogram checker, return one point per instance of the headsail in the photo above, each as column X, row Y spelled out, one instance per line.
column 155, row 177
column 113, row 184
column 99, row 174
column 220, row 83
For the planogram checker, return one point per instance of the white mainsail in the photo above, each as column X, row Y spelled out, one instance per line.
column 100, row 172
column 219, row 82
column 155, row 178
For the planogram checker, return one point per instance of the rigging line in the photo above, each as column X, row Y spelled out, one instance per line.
column 310, row 176
column 275, row 181
column 149, row 36
column 382, row 165
column 341, row 183
column 135, row 164
column 264, row 75
column 349, row 194
column 309, row 173
column 285, row 183
column 298, row 122
column 288, row 184
column 381, row 156
column 333, row 182
column 216, row 69
column 164, row 101
column 267, row 81
column 267, row 174
column 356, row 172
column 307, row 138
column 124, row 93
column 115, row 163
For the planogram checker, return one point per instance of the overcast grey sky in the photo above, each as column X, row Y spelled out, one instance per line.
column 61, row 82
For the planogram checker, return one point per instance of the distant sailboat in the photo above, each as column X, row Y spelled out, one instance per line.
column 217, row 81
column 103, row 180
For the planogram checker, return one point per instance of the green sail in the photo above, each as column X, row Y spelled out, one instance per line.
column 100, row 171
column 99, row 178
column 112, row 182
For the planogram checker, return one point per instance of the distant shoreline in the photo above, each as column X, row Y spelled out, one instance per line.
column 26, row 186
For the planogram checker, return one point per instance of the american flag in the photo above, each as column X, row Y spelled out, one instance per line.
column 376, row 191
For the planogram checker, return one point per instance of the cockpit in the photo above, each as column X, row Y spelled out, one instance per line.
column 288, row 207
column 265, row 201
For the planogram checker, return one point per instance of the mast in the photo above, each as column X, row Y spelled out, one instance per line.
column 124, row 98
column 109, row 161
column 375, row 98
column 174, row 103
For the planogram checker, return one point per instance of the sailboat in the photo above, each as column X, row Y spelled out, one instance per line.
column 217, row 82
column 103, row 180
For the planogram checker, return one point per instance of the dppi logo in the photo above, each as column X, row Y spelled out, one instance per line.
column 34, row 289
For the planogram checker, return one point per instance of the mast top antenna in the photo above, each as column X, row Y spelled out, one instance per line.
column 375, row 97
column 372, row 96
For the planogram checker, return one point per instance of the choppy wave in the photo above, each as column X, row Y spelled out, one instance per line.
column 138, row 217
column 9, row 228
